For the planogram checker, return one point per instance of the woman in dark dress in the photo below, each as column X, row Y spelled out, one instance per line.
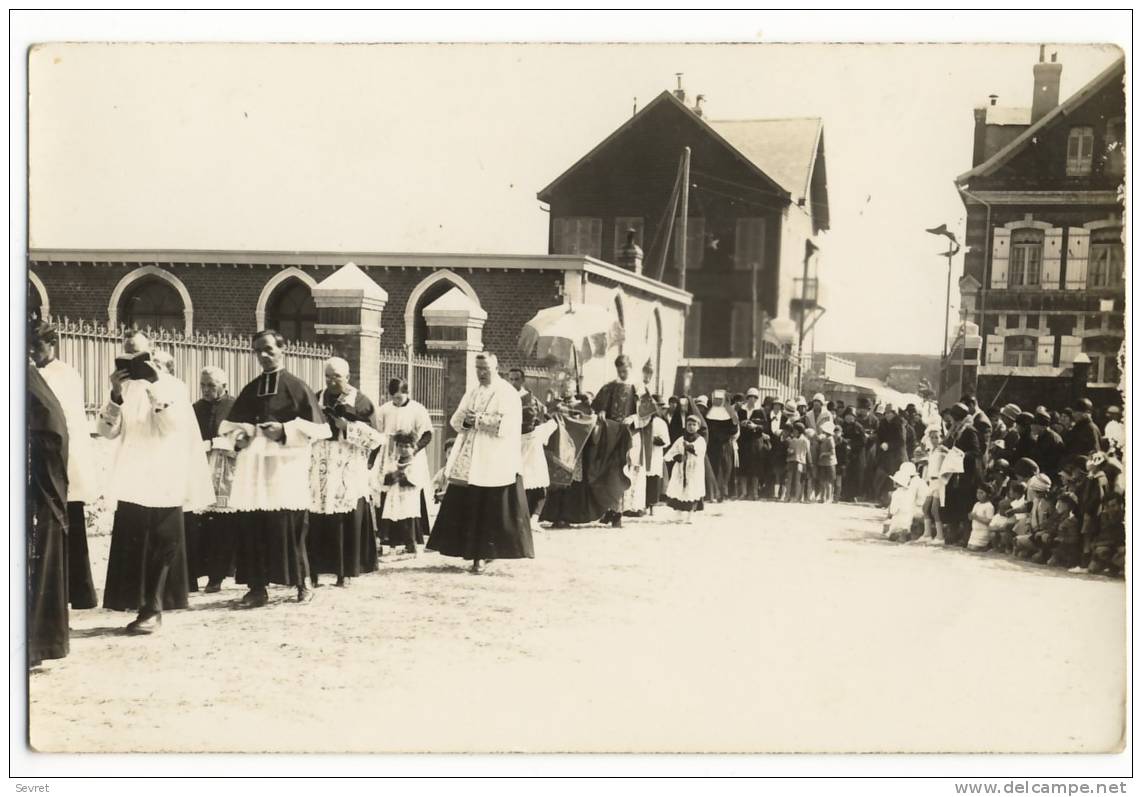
column 959, row 495
column 722, row 423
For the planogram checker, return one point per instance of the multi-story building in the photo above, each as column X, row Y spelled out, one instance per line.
column 757, row 203
column 1044, row 277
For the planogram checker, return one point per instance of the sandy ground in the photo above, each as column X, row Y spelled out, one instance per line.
column 762, row 627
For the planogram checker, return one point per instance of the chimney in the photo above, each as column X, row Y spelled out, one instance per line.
column 994, row 98
column 979, row 139
column 698, row 104
column 1046, row 95
column 680, row 92
column 630, row 256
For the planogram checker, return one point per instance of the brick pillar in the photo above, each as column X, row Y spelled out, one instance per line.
column 349, row 305
column 456, row 332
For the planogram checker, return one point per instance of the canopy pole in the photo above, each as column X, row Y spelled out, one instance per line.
column 685, row 217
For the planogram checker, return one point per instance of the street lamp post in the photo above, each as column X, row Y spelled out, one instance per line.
column 953, row 249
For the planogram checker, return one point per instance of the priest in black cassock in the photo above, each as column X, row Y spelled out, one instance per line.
column 211, row 533
column 47, row 523
column 273, row 422
column 341, row 540
column 617, row 401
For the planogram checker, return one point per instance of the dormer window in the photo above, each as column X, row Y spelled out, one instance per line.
column 1080, row 151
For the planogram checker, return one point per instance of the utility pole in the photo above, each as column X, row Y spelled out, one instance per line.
column 685, row 217
column 810, row 248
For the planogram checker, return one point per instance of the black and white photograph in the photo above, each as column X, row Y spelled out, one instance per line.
column 538, row 395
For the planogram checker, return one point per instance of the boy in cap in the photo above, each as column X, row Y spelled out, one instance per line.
column 796, row 461
column 1047, row 447
column 826, row 462
column 1083, row 437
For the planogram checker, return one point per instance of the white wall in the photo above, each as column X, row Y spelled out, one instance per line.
column 641, row 332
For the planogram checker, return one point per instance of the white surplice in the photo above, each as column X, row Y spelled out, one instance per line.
column 339, row 468
column 411, row 418
column 160, row 461
column 67, row 385
column 489, row 454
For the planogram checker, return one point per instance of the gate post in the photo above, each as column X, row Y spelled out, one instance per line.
column 349, row 305
column 456, row 333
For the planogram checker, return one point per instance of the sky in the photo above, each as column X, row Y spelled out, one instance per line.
column 402, row 148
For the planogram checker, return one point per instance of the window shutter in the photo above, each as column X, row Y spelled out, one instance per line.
column 1000, row 252
column 692, row 346
column 1078, row 250
column 749, row 237
column 1046, row 351
column 594, row 246
column 995, row 350
column 1052, row 258
column 558, row 236
column 741, row 329
column 1070, row 346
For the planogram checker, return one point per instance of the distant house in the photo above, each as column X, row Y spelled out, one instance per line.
column 758, row 202
column 1044, row 271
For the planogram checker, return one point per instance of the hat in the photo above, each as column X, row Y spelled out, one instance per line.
column 702, row 400
column 719, row 394
column 1010, row 411
column 622, row 359
column 1025, row 417
column 801, row 402
column 958, row 411
column 1084, row 405
column 1042, row 417
column 798, row 426
column 847, row 411
column 1096, row 459
column 826, row 428
column 1115, row 411
column 1000, row 463
column 889, row 407
column 790, row 406
column 753, row 391
column 904, row 474
column 1000, row 444
column 1066, row 411
column 819, row 397
column 1026, row 467
column 879, row 408
column 864, row 403
column 1039, row 483
column 919, row 454
column 694, row 417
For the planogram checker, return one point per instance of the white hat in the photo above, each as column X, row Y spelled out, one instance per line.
column 719, row 394
column 819, row 397
column 801, row 402
column 904, row 474
column 753, row 391
column 702, row 400
column 827, row 427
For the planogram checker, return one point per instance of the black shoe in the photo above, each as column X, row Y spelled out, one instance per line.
column 213, row 586
column 255, row 598
column 304, row 595
column 142, row 626
column 617, row 521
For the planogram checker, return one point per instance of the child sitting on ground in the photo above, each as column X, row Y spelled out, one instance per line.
column 1108, row 549
column 1003, row 524
column 981, row 515
column 1064, row 545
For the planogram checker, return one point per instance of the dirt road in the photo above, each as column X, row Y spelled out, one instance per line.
column 762, row 627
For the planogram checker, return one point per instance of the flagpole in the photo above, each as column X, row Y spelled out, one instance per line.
column 685, row 217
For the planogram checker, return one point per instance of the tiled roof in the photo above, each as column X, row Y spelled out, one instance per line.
column 785, row 149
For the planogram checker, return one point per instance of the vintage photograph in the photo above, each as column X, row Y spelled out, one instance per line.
column 576, row 398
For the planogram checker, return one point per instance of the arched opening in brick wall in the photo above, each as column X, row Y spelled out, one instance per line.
column 291, row 311
column 425, row 293
column 37, row 307
column 427, row 297
column 152, row 303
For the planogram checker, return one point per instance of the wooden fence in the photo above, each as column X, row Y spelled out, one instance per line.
column 91, row 348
